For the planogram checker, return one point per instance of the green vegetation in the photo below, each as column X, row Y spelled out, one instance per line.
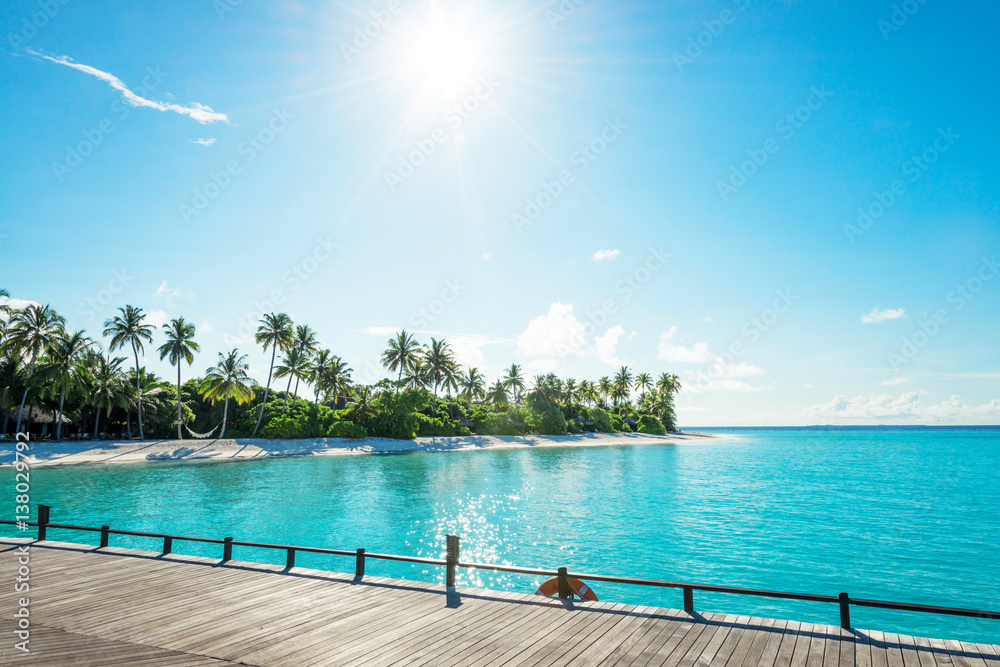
column 60, row 381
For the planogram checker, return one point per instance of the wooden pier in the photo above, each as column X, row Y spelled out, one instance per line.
column 113, row 606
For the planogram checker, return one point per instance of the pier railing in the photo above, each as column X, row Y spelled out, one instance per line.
column 452, row 561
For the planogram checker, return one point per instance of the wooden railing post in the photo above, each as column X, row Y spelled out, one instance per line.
column 43, row 520
column 168, row 544
column 845, row 611
column 227, row 549
column 290, row 559
column 564, row 591
column 359, row 564
column 452, row 559
column 689, row 599
column 104, row 535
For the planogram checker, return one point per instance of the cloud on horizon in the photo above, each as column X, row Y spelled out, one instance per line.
column 876, row 315
column 908, row 406
column 198, row 112
column 606, row 255
column 203, row 142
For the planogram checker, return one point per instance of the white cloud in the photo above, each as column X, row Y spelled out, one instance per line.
column 876, row 315
column 165, row 293
column 723, row 369
column 381, row 331
column 205, row 327
column 707, row 319
column 891, row 382
column 706, row 385
column 606, row 255
column 468, row 349
column 907, row 406
column 198, row 112
column 632, row 335
column 696, row 354
column 606, row 345
column 17, row 304
column 237, row 341
column 554, row 334
column 157, row 318
column 203, row 142
column 808, row 386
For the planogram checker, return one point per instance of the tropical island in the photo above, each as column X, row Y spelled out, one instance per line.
column 61, row 384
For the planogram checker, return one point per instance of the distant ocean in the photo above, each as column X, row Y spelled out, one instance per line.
column 909, row 514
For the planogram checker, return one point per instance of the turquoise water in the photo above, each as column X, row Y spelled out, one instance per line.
column 902, row 515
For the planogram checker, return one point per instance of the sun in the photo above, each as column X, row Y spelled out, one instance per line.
column 444, row 58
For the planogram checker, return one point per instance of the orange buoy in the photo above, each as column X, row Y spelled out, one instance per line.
column 550, row 589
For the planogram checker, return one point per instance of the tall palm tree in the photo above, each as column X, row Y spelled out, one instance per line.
column 438, row 358
column 180, row 346
column 228, row 379
column 129, row 329
column 317, row 374
column 305, row 340
column 449, row 380
column 604, row 386
column 363, row 406
column 668, row 383
column 337, row 379
column 107, row 390
column 4, row 307
column 473, row 385
column 275, row 331
column 12, row 381
column 296, row 365
column 418, row 376
column 622, row 384
column 32, row 332
column 64, row 371
column 401, row 353
column 515, row 381
column 570, row 392
column 497, row 394
column 643, row 383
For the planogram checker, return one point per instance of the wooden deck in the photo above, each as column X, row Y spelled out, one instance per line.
column 121, row 607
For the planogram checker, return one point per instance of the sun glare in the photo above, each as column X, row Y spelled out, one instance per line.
column 445, row 59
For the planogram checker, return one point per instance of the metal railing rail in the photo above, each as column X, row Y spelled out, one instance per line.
column 452, row 561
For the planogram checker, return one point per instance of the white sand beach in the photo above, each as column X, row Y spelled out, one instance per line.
column 93, row 452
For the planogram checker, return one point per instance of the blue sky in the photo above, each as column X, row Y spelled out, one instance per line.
column 569, row 186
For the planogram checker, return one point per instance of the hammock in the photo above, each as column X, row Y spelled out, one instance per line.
column 202, row 436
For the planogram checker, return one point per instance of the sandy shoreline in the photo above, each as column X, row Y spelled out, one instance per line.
column 100, row 452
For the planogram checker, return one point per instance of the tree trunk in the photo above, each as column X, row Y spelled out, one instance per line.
column 97, row 421
column 138, row 390
column 24, row 397
column 6, row 419
column 435, row 403
column 180, row 435
column 128, row 421
column 62, row 400
column 225, row 414
column 263, row 405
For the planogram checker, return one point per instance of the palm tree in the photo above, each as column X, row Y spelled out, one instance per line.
column 337, row 379
column 363, row 407
column 419, row 375
column 228, row 379
column 473, row 384
column 400, row 355
column 515, row 381
column 12, row 381
column 668, row 383
column 275, row 331
column 295, row 365
column 180, row 346
column 604, row 386
column 4, row 307
column 570, row 392
column 449, row 381
column 622, row 385
column 305, row 340
column 151, row 394
column 128, row 328
column 108, row 389
column 64, row 371
column 32, row 331
column 643, row 383
column 317, row 374
column 497, row 394
column 438, row 358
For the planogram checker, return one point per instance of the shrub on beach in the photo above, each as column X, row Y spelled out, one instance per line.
column 284, row 427
column 545, row 419
column 601, row 419
column 652, row 425
column 497, row 424
column 573, row 426
column 347, row 429
column 618, row 424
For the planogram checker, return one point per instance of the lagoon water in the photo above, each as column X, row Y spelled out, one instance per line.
column 910, row 515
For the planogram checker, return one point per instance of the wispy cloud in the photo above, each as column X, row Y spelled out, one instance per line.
column 198, row 112
column 203, row 142
column 891, row 382
column 606, row 255
column 878, row 315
